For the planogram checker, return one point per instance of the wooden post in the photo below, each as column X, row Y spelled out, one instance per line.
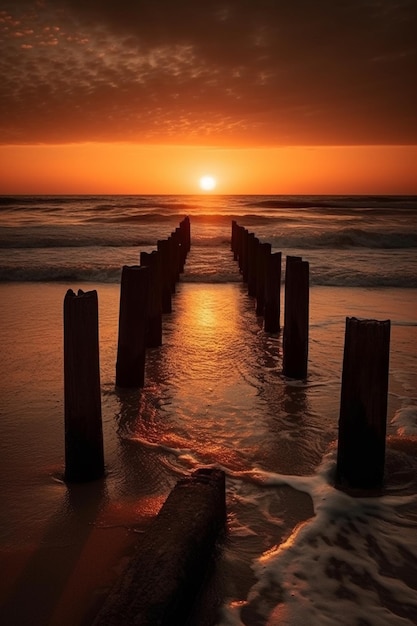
column 233, row 240
column 185, row 238
column 173, row 260
column 187, row 223
column 253, row 245
column 84, row 456
column 363, row 404
column 154, row 324
column 245, row 249
column 264, row 251
column 272, row 293
column 131, row 349
column 296, row 309
column 166, row 300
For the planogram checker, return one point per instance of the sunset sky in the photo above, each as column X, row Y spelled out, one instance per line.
column 267, row 96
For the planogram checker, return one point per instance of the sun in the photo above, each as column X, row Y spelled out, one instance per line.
column 207, row 182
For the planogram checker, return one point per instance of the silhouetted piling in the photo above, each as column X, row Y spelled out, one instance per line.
column 296, row 311
column 363, row 404
column 166, row 300
column 272, row 310
column 234, row 240
column 253, row 247
column 172, row 556
column 178, row 234
column 133, row 315
column 154, row 325
column 245, row 255
column 264, row 251
column 173, row 260
column 84, row 457
column 185, row 235
column 240, row 233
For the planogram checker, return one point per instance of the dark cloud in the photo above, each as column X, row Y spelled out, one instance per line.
column 255, row 72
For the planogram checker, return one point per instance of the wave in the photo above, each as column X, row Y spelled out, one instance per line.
column 207, row 273
column 346, row 238
column 308, row 239
column 335, row 202
column 53, row 273
column 49, row 242
column 133, row 218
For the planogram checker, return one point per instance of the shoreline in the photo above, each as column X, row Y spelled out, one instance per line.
column 62, row 550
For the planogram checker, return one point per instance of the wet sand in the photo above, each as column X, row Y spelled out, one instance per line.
column 62, row 546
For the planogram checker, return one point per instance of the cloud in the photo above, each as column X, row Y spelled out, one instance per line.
column 264, row 72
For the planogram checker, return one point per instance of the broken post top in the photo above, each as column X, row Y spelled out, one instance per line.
column 367, row 322
column 81, row 294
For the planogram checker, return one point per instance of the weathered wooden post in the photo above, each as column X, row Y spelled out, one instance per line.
column 253, row 245
column 233, row 240
column 154, row 324
column 296, row 310
column 187, row 226
column 264, row 251
column 166, row 300
column 84, row 456
column 185, row 238
column 240, row 235
column 245, row 249
column 363, row 404
column 173, row 260
column 272, row 293
column 131, row 349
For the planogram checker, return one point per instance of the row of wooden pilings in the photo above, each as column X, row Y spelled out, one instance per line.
column 173, row 555
column 261, row 270
column 364, row 389
column 145, row 294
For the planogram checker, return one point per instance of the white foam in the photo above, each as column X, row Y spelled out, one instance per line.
column 346, row 564
column 405, row 419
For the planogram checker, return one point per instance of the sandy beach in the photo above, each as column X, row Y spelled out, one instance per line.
column 213, row 395
column 274, row 145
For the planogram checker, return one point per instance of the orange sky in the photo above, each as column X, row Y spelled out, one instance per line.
column 268, row 97
column 129, row 168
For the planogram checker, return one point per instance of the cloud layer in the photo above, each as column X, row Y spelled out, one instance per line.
column 224, row 73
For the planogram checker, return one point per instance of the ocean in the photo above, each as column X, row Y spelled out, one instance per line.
column 297, row 550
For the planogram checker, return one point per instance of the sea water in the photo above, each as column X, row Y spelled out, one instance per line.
column 348, row 240
column 297, row 550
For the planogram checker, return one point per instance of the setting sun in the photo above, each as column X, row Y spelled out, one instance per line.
column 207, row 183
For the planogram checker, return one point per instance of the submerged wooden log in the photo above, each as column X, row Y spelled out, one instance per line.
column 296, row 312
column 363, row 404
column 133, row 315
column 272, row 311
column 171, row 559
column 84, row 456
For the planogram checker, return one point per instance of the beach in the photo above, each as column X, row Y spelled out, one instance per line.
column 297, row 550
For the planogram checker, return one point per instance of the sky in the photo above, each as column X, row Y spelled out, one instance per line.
column 267, row 96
